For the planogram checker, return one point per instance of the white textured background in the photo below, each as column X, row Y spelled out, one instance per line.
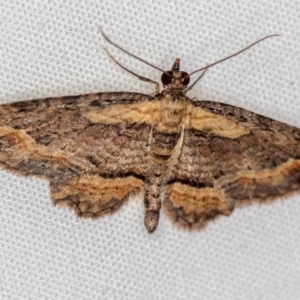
column 53, row 48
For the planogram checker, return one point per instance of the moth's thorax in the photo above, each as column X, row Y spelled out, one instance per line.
column 167, row 125
column 172, row 108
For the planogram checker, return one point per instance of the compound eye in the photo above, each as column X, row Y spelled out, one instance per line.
column 186, row 80
column 165, row 79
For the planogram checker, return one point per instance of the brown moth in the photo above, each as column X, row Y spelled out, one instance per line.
column 196, row 159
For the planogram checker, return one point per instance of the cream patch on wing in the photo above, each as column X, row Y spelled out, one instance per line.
column 196, row 200
column 119, row 113
column 94, row 196
column 98, row 189
column 203, row 120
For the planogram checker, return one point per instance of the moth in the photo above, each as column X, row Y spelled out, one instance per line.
column 196, row 160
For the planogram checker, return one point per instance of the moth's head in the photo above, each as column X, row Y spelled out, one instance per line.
column 175, row 78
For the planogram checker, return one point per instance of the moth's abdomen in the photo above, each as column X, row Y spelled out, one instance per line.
column 152, row 203
column 162, row 148
column 163, row 144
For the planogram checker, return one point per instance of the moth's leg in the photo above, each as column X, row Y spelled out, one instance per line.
column 175, row 154
column 136, row 75
column 150, row 137
column 156, row 92
column 193, row 84
column 135, row 57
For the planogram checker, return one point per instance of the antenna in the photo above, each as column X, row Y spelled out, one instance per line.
column 232, row 55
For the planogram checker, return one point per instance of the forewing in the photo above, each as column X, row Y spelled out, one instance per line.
column 230, row 157
column 92, row 148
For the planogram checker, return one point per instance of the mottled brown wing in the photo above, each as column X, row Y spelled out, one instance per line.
column 230, row 157
column 91, row 148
